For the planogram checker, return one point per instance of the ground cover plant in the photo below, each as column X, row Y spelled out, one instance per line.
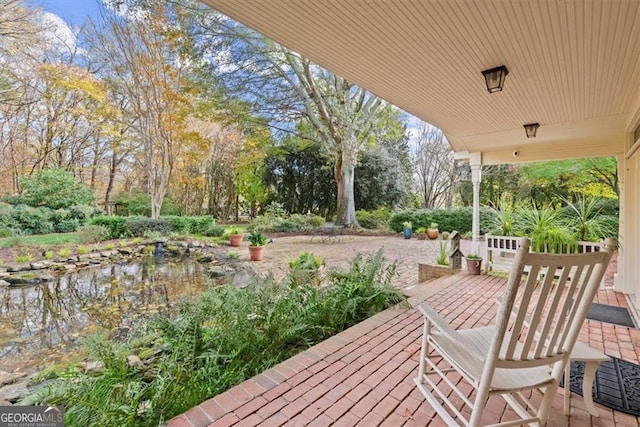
column 226, row 335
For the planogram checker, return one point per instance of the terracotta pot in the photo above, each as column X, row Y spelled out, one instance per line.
column 256, row 253
column 235, row 240
column 432, row 233
column 474, row 266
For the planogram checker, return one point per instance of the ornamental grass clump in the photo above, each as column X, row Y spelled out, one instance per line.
column 227, row 334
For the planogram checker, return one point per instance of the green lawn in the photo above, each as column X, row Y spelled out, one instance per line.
column 40, row 240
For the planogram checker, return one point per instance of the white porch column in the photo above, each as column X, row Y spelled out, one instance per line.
column 628, row 269
column 619, row 283
column 475, row 161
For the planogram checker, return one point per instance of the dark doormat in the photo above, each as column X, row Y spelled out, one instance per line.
column 616, row 386
column 610, row 314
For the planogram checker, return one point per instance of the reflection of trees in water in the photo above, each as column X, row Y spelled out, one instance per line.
column 40, row 317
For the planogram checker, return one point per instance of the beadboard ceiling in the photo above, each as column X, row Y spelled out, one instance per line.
column 574, row 66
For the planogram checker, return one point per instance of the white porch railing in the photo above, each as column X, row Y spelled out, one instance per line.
column 499, row 250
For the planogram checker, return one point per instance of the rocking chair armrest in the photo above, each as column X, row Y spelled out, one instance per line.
column 453, row 335
column 437, row 320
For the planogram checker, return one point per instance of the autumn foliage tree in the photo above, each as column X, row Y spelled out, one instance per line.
column 148, row 70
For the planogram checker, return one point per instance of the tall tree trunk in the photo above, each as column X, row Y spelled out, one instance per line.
column 156, row 204
column 346, row 207
column 112, row 176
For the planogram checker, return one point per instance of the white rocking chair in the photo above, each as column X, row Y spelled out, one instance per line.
column 538, row 321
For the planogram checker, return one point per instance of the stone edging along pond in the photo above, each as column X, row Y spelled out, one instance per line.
column 42, row 271
column 15, row 386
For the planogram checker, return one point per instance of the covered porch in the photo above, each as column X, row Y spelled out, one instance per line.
column 364, row 375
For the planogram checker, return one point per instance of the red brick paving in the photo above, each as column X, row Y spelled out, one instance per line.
column 364, row 375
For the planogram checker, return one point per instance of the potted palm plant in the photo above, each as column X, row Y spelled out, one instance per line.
column 474, row 263
column 235, row 237
column 257, row 241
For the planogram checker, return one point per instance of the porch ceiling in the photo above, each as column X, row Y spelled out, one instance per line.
column 574, row 66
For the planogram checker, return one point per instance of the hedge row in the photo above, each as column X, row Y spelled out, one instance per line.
column 295, row 222
column 460, row 219
column 138, row 226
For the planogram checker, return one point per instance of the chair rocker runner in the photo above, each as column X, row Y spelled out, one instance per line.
column 539, row 317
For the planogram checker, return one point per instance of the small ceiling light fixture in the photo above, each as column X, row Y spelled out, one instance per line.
column 494, row 78
column 531, row 129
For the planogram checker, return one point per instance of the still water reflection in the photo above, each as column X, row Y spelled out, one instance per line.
column 45, row 323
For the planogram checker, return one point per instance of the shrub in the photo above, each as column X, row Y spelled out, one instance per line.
column 179, row 224
column 295, row 222
column 315, row 221
column 374, row 220
column 137, row 227
column 66, row 226
column 263, row 223
column 284, row 226
column 116, row 225
column 214, row 231
column 460, row 219
column 5, row 232
column 31, row 220
column 199, row 224
column 397, row 220
column 138, row 204
column 92, row 233
column 6, row 216
column 275, row 209
column 52, row 188
column 304, row 222
column 83, row 213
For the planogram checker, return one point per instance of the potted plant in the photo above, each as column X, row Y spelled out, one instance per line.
column 407, row 229
column 257, row 240
column 305, row 269
column 432, row 231
column 235, row 237
column 474, row 263
column 421, row 233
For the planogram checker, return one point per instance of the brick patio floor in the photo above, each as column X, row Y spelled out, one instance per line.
column 364, row 375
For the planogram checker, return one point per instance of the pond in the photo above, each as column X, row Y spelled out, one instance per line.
column 46, row 323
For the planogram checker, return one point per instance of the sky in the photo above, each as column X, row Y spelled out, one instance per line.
column 74, row 12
